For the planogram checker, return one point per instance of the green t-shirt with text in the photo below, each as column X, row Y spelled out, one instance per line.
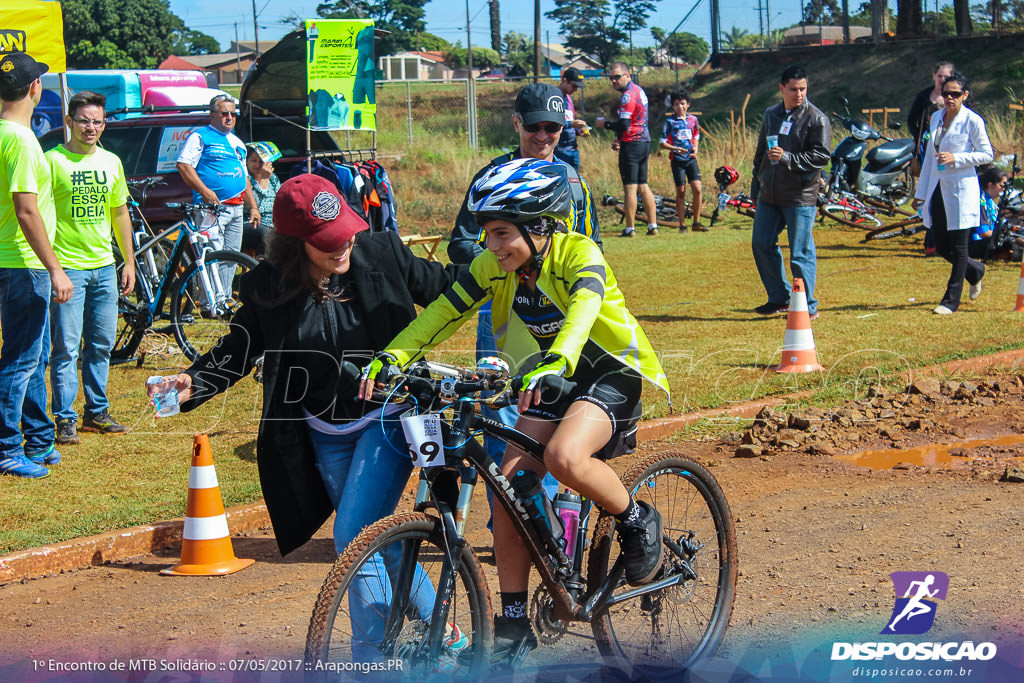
column 86, row 190
column 23, row 168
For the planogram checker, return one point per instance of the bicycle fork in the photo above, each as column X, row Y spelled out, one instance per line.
column 210, row 282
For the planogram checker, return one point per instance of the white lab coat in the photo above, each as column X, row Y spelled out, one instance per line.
column 967, row 139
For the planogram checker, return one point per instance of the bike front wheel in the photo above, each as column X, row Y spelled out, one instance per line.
column 376, row 603
column 201, row 310
column 658, row 634
column 854, row 216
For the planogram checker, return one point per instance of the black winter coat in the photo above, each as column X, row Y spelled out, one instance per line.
column 388, row 280
column 794, row 180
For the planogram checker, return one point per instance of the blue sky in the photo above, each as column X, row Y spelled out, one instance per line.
column 447, row 18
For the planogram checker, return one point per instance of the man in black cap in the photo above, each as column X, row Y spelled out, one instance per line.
column 567, row 150
column 538, row 117
column 29, row 274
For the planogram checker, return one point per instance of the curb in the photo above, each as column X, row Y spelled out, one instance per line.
column 120, row 544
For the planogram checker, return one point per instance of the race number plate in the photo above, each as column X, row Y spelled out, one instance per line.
column 423, row 434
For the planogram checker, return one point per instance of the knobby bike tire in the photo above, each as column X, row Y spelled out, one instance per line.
column 195, row 329
column 329, row 639
column 853, row 217
column 666, row 218
column 693, row 507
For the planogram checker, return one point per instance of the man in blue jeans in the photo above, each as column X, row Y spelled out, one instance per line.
column 91, row 196
column 29, row 274
column 792, row 148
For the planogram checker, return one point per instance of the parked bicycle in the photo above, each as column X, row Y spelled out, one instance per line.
column 664, row 209
column 726, row 176
column 176, row 281
column 649, row 631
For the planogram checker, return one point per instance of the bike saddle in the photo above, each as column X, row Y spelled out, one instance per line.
column 888, row 152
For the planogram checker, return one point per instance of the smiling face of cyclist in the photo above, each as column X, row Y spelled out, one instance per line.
column 538, row 140
column 507, row 242
column 325, row 264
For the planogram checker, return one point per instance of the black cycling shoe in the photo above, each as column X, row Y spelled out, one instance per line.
column 513, row 640
column 641, row 546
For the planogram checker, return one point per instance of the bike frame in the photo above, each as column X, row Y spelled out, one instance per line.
column 561, row 575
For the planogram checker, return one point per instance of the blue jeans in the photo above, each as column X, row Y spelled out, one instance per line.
column 25, row 321
column 89, row 319
column 365, row 473
column 487, row 346
column 769, row 220
column 569, row 155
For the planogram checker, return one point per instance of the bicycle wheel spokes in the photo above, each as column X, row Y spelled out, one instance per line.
column 377, row 602
column 201, row 306
column 662, row 632
column 851, row 214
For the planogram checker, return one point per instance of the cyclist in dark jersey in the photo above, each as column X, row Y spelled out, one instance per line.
column 559, row 286
column 634, row 145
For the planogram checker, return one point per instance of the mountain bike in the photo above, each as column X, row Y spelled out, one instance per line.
column 176, row 281
column 428, row 580
column 664, row 209
column 844, row 207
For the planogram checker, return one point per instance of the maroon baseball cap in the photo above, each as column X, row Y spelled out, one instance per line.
column 311, row 208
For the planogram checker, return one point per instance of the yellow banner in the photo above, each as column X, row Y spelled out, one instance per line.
column 340, row 74
column 35, row 27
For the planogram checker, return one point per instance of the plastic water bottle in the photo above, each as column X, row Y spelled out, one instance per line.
column 166, row 401
column 527, row 486
column 567, row 506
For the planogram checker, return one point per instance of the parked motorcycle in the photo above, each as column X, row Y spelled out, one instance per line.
column 883, row 177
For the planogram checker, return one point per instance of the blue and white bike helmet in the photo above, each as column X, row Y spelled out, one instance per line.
column 531, row 193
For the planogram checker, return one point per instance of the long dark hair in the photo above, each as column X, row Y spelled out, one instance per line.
column 288, row 255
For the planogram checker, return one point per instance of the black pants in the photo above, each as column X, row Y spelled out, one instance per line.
column 952, row 245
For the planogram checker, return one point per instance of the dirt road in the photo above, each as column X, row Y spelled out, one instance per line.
column 818, row 537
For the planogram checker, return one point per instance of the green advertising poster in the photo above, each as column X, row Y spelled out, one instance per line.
column 339, row 70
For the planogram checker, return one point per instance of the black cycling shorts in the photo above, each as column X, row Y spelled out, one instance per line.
column 616, row 392
column 689, row 168
column 633, row 162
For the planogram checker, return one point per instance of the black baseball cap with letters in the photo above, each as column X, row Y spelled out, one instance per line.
column 540, row 102
column 18, row 69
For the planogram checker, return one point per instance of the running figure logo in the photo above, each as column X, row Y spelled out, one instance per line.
column 916, row 595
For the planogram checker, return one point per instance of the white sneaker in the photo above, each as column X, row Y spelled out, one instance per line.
column 974, row 292
column 942, row 310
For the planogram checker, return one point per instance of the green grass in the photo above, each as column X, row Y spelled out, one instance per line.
column 691, row 293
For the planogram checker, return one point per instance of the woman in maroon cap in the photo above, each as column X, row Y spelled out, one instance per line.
column 328, row 291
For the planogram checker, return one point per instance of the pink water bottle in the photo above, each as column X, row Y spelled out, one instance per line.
column 567, row 506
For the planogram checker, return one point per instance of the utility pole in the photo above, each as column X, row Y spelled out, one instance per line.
column 238, row 56
column 716, row 51
column 760, row 20
column 536, row 40
column 255, row 28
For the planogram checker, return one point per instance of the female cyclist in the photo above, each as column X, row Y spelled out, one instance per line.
column 558, row 285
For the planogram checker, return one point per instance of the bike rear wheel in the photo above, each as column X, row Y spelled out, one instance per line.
column 198, row 323
column 665, row 213
column 658, row 635
column 900, row 229
column 854, row 216
column 357, row 625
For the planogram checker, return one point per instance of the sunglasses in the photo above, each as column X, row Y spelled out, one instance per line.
column 89, row 122
column 955, row 94
column 615, row 77
column 227, row 114
column 549, row 128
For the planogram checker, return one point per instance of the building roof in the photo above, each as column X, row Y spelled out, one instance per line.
column 205, row 61
column 250, row 46
column 813, row 31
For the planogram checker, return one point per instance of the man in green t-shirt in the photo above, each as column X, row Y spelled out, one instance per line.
column 29, row 274
column 90, row 194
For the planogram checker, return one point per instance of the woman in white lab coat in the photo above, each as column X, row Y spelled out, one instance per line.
column 949, row 188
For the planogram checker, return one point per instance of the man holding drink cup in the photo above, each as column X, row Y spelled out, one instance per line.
column 792, row 148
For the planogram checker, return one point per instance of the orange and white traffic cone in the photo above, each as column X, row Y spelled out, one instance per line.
column 1020, row 292
column 205, row 544
column 798, row 354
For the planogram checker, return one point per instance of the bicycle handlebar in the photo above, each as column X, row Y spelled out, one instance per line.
column 187, row 207
column 458, row 383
